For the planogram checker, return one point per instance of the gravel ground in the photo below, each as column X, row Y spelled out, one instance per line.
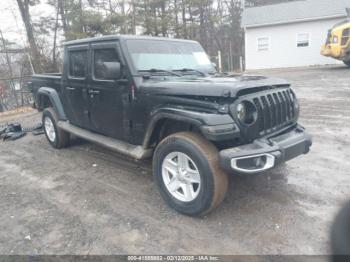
column 87, row 200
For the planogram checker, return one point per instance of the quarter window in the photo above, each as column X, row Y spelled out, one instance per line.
column 263, row 43
column 303, row 40
column 101, row 56
column 77, row 63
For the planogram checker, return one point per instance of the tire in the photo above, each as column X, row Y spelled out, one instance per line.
column 57, row 137
column 201, row 156
column 340, row 237
column 347, row 62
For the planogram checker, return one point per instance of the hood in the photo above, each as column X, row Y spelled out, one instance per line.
column 212, row 86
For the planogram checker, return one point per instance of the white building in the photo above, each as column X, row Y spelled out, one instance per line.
column 290, row 34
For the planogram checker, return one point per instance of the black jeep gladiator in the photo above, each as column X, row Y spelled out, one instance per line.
column 144, row 97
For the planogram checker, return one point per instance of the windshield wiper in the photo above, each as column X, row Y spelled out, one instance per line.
column 155, row 70
column 191, row 69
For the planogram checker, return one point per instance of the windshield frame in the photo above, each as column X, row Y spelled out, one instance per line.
column 135, row 71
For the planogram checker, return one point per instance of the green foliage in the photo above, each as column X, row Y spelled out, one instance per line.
column 94, row 24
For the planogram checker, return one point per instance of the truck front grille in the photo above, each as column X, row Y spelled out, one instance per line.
column 276, row 110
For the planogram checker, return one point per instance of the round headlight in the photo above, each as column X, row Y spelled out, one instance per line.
column 246, row 112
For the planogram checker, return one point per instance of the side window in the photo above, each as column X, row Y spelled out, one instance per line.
column 77, row 63
column 345, row 36
column 101, row 56
column 263, row 43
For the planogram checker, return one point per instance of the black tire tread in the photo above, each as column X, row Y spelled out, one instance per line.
column 62, row 136
column 210, row 152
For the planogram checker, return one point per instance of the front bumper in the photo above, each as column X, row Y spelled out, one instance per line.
column 333, row 50
column 265, row 153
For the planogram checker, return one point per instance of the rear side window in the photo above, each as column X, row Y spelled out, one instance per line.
column 101, row 56
column 77, row 63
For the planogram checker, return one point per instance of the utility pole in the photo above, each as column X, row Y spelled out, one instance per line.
column 13, row 87
column 219, row 62
column 55, row 39
column 133, row 4
column 243, row 56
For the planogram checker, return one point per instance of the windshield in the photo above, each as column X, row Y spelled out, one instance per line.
column 168, row 55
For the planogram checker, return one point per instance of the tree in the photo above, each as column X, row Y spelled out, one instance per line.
column 214, row 23
column 9, row 65
column 23, row 6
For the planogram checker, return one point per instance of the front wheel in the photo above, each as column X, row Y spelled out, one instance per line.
column 187, row 172
column 57, row 137
column 347, row 62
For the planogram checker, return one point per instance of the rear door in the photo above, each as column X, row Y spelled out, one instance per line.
column 105, row 95
column 75, row 85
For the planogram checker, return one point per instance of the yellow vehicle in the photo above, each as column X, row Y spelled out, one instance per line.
column 338, row 42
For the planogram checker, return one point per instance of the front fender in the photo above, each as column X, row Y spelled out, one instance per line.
column 214, row 127
column 55, row 100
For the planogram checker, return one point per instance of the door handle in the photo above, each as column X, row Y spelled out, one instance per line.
column 70, row 88
column 94, row 92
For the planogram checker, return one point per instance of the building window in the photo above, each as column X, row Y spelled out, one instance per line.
column 263, row 43
column 77, row 63
column 303, row 40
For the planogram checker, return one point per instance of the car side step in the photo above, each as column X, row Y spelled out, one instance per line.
column 137, row 152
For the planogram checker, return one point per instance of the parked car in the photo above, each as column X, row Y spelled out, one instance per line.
column 156, row 97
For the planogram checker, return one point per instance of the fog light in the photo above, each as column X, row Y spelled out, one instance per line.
column 259, row 161
column 253, row 164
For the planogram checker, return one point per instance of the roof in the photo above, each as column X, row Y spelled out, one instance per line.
column 295, row 11
column 120, row 37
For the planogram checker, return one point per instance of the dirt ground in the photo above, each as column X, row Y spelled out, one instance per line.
column 87, row 200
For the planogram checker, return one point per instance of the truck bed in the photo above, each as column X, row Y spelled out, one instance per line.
column 46, row 80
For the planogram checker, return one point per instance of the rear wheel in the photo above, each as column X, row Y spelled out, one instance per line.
column 186, row 170
column 57, row 137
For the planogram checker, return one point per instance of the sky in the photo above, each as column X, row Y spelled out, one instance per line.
column 11, row 23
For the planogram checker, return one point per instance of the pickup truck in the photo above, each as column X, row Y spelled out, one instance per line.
column 162, row 98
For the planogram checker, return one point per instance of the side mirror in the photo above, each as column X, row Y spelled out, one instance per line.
column 112, row 70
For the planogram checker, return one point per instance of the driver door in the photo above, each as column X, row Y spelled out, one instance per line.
column 105, row 95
